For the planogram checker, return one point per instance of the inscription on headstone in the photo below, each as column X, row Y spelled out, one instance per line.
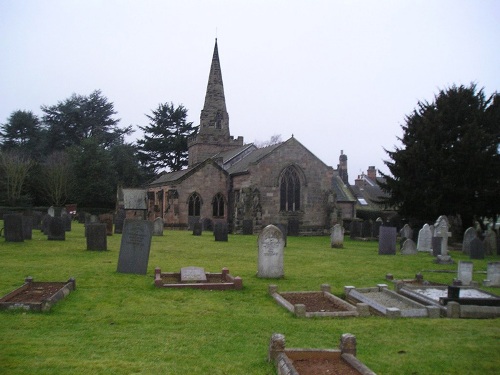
column 135, row 246
column 270, row 257
column 387, row 241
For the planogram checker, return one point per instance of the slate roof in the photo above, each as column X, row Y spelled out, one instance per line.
column 342, row 191
column 254, row 156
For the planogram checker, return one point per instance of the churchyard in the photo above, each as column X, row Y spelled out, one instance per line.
column 121, row 323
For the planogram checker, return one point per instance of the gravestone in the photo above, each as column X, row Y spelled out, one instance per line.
column 158, row 227
column 469, row 235
column 108, row 220
column 192, row 220
column 490, row 242
column 247, row 226
column 45, row 223
column 135, row 246
column 37, row 220
column 271, row 253
column 387, row 241
column 366, row 229
column 51, row 211
column 197, row 229
column 409, row 247
column 492, row 274
column 208, row 224
column 405, row 232
column 13, row 228
column 56, row 229
column 221, row 231
column 441, row 230
column 97, row 237
column 436, row 246
column 376, row 229
column 464, row 272
column 66, row 221
column 119, row 218
column 424, row 241
column 193, row 274
column 27, row 227
column 337, row 236
column 355, row 229
column 476, row 249
column 293, row 227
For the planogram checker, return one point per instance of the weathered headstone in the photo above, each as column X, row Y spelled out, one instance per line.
column 51, row 211
column 193, row 274
column 271, row 253
column 492, row 274
column 464, row 272
column 97, row 237
column 56, row 229
column 406, row 232
column 337, row 236
column 13, row 228
column 158, row 227
column 476, row 249
column 424, row 242
column 119, row 219
column 387, row 241
column 197, row 229
column 135, row 246
column 469, row 235
column 221, row 232
column 27, row 227
column 247, row 226
column 409, row 247
column 441, row 230
column 490, row 242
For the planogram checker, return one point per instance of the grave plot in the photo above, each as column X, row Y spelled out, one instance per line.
column 316, row 304
column 197, row 278
column 455, row 301
column 316, row 361
column 418, row 280
column 37, row 296
column 382, row 301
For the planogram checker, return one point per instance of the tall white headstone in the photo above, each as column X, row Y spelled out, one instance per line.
column 337, row 236
column 424, row 241
column 271, row 254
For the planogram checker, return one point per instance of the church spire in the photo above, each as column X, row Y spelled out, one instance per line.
column 214, row 118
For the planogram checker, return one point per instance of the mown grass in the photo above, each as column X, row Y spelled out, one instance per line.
column 121, row 324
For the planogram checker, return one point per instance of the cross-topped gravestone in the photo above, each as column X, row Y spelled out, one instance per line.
column 441, row 230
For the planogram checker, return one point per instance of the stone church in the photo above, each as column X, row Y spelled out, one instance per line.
column 243, row 185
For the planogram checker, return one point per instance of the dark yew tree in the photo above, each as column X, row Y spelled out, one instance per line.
column 165, row 138
column 449, row 161
column 23, row 132
column 82, row 117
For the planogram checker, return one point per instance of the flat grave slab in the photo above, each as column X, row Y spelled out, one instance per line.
column 197, row 278
column 304, row 361
column 315, row 303
column 384, row 302
column 37, row 296
column 471, row 302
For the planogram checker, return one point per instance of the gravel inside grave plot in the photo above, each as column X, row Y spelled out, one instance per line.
column 37, row 292
column 388, row 301
column 314, row 301
column 323, row 366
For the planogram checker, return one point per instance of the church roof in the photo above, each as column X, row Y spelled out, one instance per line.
column 253, row 157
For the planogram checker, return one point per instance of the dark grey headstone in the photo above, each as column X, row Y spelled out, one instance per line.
column 192, row 220
column 293, row 227
column 135, row 246
column 248, row 226
column 97, row 237
column 366, row 229
column 28, row 227
column 67, row 222
column 56, row 229
column 37, row 220
column 476, row 249
column 45, row 223
column 119, row 219
column 197, row 229
column 13, row 228
column 436, row 246
column 355, row 229
column 387, row 241
column 220, row 232
column 208, row 224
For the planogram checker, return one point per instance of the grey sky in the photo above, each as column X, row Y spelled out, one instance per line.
column 338, row 75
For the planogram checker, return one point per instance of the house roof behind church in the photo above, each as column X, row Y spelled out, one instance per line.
column 342, row 191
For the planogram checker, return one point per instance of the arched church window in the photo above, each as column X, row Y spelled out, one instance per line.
column 289, row 190
column 218, row 205
column 194, row 205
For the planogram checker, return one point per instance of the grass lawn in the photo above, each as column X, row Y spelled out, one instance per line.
column 121, row 324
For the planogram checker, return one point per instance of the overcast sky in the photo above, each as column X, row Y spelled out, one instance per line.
column 338, row 75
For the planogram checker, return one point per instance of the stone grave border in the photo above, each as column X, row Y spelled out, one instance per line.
column 44, row 305
column 283, row 358
column 417, row 310
column 299, row 310
column 452, row 309
column 229, row 281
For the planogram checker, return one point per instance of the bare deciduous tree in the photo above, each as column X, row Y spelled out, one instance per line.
column 15, row 167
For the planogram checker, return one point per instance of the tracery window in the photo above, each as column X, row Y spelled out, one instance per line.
column 289, row 190
column 218, row 205
column 194, row 205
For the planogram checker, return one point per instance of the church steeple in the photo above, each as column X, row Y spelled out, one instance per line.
column 214, row 118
